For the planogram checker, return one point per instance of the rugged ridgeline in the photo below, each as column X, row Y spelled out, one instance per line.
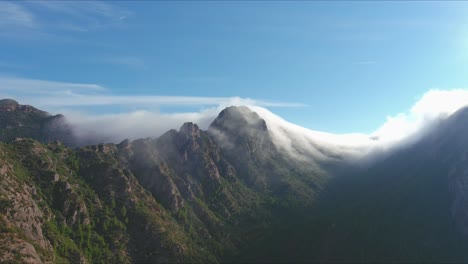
column 187, row 196
column 25, row 121
column 226, row 194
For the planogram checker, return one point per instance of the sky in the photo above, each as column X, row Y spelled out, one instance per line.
column 339, row 67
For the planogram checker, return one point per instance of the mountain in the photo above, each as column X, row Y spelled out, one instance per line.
column 187, row 196
column 25, row 121
column 409, row 207
column 231, row 193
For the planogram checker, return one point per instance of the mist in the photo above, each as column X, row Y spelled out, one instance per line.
column 399, row 130
column 396, row 131
column 114, row 128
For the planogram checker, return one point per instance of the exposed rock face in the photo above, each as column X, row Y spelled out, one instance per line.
column 20, row 210
column 244, row 139
column 240, row 127
column 16, row 250
column 8, row 105
column 25, row 121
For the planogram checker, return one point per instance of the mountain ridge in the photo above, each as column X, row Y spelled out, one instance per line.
column 185, row 180
column 229, row 193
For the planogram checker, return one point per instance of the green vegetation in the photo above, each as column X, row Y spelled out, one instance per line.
column 101, row 212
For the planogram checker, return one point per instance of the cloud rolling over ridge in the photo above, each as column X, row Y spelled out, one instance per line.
column 72, row 99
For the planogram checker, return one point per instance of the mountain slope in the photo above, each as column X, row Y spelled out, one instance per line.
column 410, row 207
column 182, row 197
column 230, row 193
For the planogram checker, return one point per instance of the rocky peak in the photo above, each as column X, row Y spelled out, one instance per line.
column 238, row 117
column 8, row 102
column 240, row 127
column 8, row 105
column 124, row 144
column 190, row 129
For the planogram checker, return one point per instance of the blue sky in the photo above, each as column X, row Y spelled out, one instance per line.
column 339, row 67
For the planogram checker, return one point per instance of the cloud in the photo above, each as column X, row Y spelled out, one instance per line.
column 46, row 20
column 310, row 145
column 73, row 99
column 365, row 62
column 429, row 108
column 47, row 93
column 398, row 130
column 84, row 16
column 128, row 61
column 143, row 123
column 10, row 65
column 14, row 15
column 16, row 86
column 134, row 125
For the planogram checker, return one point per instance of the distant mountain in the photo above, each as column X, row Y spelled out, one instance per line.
column 25, row 121
column 227, row 194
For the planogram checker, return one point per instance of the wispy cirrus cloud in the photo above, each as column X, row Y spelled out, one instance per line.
column 65, row 94
column 152, row 100
column 143, row 120
column 15, row 15
column 132, row 62
column 364, row 62
column 23, row 87
column 43, row 18
column 83, row 16
column 11, row 65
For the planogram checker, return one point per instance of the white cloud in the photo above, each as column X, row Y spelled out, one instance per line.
column 298, row 141
column 134, row 125
column 397, row 130
column 431, row 107
column 307, row 144
column 23, row 86
column 65, row 94
column 61, row 97
column 143, row 123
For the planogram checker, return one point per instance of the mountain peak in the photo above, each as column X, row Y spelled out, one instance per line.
column 242, row 129
column 190, row 129
column 8, row 102
column 8, row 105
column 236, row 118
